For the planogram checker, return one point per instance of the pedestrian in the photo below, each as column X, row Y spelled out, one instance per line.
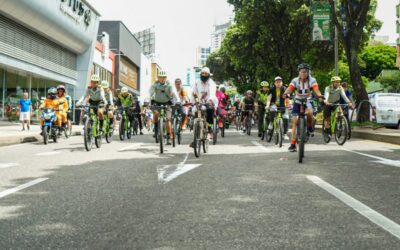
column 25, row 107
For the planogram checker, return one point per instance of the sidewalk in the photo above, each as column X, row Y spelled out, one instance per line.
column 10, row 133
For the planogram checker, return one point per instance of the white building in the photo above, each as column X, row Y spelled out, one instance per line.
column 202, row 53
column 145, row 78
column 219, row 34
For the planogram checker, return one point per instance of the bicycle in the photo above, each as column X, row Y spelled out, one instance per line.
column 200, row 130
column 177, row 126
column 91, row 129
column 161, row 133
column 338, row 125
column 125, row 126
column 301, row 133
column 107, row 130
column 68, row 130
column 277, row 127
column 248, row 122
column 264, row 127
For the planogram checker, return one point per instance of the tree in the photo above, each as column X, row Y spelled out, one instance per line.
column 355, row 22
column 390, row 80
column 378, row 58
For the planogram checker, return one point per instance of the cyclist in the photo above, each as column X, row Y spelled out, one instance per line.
column 206, row 89
column 62, row 107
column 95, row 96
column 222, row 103
column 147, row 113
column 237, row 108
column 110, row 99
column 70, row 109
column 138, row 112
column 51, row 103
column 248, row 104
column 261, row 100
column 349, row 95
column 304, row 85
column 184, row 99
column 162, row 93
column 333, row 93
column 276, row 101
column 125, row 102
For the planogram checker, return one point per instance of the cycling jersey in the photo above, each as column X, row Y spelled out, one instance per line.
column 163, row 93
column 277, row 96
column 261, row 97
column 248, row 103
column 125, row 101
column 303, row 89
column 333, row 95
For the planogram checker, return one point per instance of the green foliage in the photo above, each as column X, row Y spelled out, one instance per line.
column 390, row 79
column 378, row 58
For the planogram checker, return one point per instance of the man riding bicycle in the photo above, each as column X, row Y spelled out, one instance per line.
column 261, row 100
column 110, row 99
column 304, row 85
column 205, row 90
column 183, row 99
column 95, row 96
column 126, row 102
column 162, row 93
column 248, row 104
column 276, row 101
column 333, row 93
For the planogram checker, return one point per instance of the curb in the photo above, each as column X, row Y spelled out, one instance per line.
column 28, row 139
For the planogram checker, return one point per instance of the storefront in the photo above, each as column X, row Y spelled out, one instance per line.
column 43, row 44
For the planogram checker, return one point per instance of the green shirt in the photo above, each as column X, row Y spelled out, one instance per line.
column 126, row 101
column 161, row 93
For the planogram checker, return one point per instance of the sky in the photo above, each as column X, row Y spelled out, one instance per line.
column 183, row 25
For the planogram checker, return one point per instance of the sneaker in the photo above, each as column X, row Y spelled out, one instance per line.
column 292, row 148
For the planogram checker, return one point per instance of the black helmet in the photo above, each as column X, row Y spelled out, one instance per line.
column 303, row 66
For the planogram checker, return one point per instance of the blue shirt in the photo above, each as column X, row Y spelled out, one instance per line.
column 348, row 94
column 25, row 105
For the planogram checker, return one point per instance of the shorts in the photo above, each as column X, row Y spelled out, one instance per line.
column 328, row 110
column 69, row 115
column 296, row 108
column 25, row 116
column 168, row 109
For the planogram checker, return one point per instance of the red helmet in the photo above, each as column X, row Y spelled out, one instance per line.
column 61, row 87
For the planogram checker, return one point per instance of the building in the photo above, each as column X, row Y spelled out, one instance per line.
column 43, row 44
column 104, row 61
column 202, row 55
column 155, row 68
column 128, row 52
column 219, row 34
column 147, row 39
column 145, row 78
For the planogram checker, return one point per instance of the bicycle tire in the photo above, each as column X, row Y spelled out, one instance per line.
column 129, row 132
column 223, row 128
column 161, row 135
column 174, row 132
column 248, row 125
column 205, row 141
column 341, row 130
column 87, row 135
column 325, row 135
column 215, row 131
column 45, row 135
column 122, row 129
column 276, row 134
column 348, row 129
column 179, row 134
column 302, row 133
column 281, row 132
column 196, row 139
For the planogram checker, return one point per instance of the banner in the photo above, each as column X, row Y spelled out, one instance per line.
column 322, row 24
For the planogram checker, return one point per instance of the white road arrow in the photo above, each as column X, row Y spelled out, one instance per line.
column 165, row 176
column 380, row 160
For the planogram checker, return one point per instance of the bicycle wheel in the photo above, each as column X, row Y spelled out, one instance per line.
column 276, row 134
column 87, row 135
column 215, row 131
column 325, row 132
column 197, row 139
column 161, row 135
column 97, row 139
column 269, row 133
column 129, row 131
column 281, row 132
column 223, row 128
column 135, row 126
column 174, row 131
column 301, row 128
column 122, row 129
column 237, row 120
column 341, row 130
column 179, row 132
column 248, row 125
column 45, row 135
column 348, row 129
column 66, row 132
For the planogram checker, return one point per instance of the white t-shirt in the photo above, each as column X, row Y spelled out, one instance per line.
column 209, row 87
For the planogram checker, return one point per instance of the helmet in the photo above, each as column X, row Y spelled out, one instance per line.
column 162, row 73
column 95, row 78
column 61, row 87
column 278, row 78
column 249, row 92
column 222, row 89
column 303, row 66
column 336, row 79
column 146, row 101
column 124, row 90
column 264, row 84
column 206, row 70
column 52, row 91
column 105, row 85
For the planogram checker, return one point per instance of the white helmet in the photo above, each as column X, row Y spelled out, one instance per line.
column 95, row 78
column 105, row 85
column 206, row 70
column 124, row 90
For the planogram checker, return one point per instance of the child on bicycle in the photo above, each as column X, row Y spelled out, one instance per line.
column 248, row 106
column 276, row 101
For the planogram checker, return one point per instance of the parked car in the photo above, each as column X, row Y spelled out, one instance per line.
column 386, row 109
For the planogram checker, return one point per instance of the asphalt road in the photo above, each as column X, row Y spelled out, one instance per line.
column 243, row 194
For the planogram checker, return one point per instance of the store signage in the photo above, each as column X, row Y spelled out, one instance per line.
column 128, row 74
column 77, row 10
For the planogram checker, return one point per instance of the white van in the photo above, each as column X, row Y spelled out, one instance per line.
column 386, row 109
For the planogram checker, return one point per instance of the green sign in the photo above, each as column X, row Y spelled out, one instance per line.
column 322, row 25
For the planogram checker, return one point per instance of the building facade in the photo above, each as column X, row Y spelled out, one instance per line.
column 147, row 39
column 155, row 68
column 202, row 54
column 128, row 52
column 42, row 44
column 104, row 61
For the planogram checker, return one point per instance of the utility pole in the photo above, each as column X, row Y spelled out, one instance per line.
column 398, row 32
column 336, row 46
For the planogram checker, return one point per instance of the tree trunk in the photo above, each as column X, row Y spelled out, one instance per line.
column 356, row 80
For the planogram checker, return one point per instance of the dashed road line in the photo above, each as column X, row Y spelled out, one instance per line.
column 381, row 160
column 358, row 206
column 48, row 153
column 21, row 187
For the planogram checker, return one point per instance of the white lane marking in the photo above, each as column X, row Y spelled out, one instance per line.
column 8, row 165
column 23, row 186
column 362, row 209
column 126, row 148
column 181, row 169
column 381, row 160
column 260, row 146
column 48, row 153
